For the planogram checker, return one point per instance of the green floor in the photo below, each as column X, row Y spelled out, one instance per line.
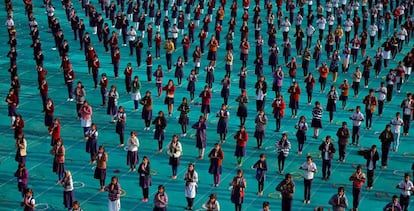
column 39, row 162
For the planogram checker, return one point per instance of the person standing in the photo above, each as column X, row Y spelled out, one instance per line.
column 372, row 157
column 310, row 169
column 393, row 205
column 339, row 201
column 386, row 137
column 287, row 189
column 160, row 199
column 283, row 147
column 146, row 114
column 132, row 155
column 328, row 150
column 261, row 169
column 216, row 156
column 357, row 117
column 68, row 195
column 191, row 180
column 135, row 92
column 343, row 137
column 21, row 147
column 371, row 103
column 222, row 125
column 28, row 201
column 144, row 171
column 237, row 194
column 408, row 106
column 174, row 151
column 316, row 123
column 91, row 147
column 112, row 103
column 396, row 124
column 160, row 124
column 22, row 176
column 100, row 170
column 358, row 179
column 212, row 203
column 183, row 120
column 406, row 187
column 201, row 136
column 114, row 195
column 58, row 152
column 241, row 138
column 120, row 124
column 261, row 122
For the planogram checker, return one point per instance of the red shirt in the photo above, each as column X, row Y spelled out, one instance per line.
column 128, row 72
column 205, row 97
column 104, row 83
column 149, row 60
column 158, row 41
column 116, row 57
column 169, row 90
column 241, row 138
column 186, row 43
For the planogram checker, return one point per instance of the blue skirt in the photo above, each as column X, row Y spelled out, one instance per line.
column 132, row 157
column 68, row 199
column 240, row 151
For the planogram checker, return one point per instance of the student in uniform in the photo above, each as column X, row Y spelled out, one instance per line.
column 91, row 137
column 191, row 180
column 183, row 120
column 21, row 147
column 160, row 124
column 212, row 204
column 160, row 199
column 310, row 169
column 68, row 195
column 100, row 170
column 175, row 151
column 58, row 152
column 358, row 179
column 132, row 155
column 120, row 124
column 145, row 181
column 287, row 189
column 406, row 187
column 241, row 138
column 216, row 156
column 222, row 125
column 112, row 103
column 261, row 169
column 372, row 157
column 28, row 201
column 146, row 114
column 114, row 195
column 22, row 176
column 237, row 194
column 339, row 201
column 135, row 92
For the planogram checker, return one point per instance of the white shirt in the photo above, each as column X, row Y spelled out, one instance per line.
column 310, row 30
column 405, row 187
column 402, row 33
column 132, row 35
column 382, row 93
column 331, row 20
column 348, row 25
column 371, row 163
column 357, row 118
column 310, row 169
column 373, row 29
column 396, row 125
column 321, row 23
column 9, row 23
column 133, row 144
column 285, row 26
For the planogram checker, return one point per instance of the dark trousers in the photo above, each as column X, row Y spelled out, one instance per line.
column 286, row 204
column 308, row 185
column 145, row 192
column 70, row 89
column 370, row 176
column 380, row 107
column 342, row 151
column 326, row 168
column 406, row 120
column 368, row 120
column 356, row 194
column 355, row 134
column 169, row 61
column 384, row 156
column 404, row 202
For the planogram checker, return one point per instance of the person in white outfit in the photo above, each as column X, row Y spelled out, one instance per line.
column 191, row 180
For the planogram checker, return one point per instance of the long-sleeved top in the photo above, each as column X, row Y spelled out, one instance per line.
column 133, row 144
column 338, row 202
column 114, row 191
column 174, row 149
column 287, row 188
column 160, row 199
column 358, row 179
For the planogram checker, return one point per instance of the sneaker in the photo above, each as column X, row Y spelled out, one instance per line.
column 184, row 135
column 308, row 202
column 305, row 201
column 129, row 170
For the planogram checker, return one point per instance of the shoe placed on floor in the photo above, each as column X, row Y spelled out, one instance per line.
column 308, row 202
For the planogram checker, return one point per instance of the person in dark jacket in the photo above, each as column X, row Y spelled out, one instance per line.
column 372, row 157
column 386, row 137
